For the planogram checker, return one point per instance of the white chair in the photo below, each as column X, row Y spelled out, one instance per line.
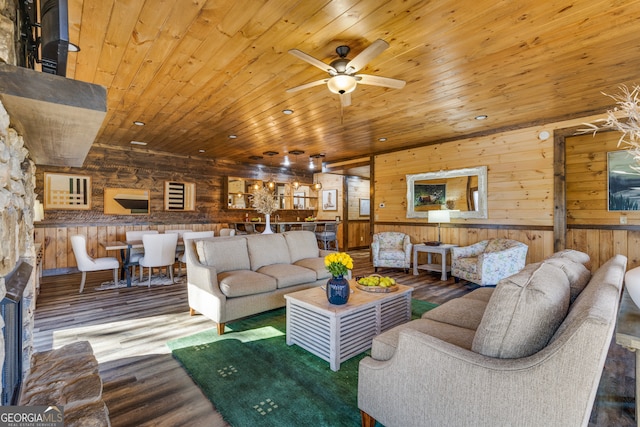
column 227, row 232
column 86, row 263
column 179, row 249
column 136, row 254
column 159, row 251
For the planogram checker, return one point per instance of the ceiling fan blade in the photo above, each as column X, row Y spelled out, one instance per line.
column 367, row 79
column 313, row 61
column 363, row 58
column 345, row 99
column 307, row 85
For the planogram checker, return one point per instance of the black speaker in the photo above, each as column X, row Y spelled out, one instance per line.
column 54, row 36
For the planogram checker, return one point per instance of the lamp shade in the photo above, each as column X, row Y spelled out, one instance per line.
column 342, row 84
column 439, row 216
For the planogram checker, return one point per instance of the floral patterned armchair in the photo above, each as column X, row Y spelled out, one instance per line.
column 391, row 249
column 489, row 261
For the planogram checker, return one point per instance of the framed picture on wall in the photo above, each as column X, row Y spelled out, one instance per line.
column 623, row 180
column 65, row 191
column 365, row 207
column 179, row 196
column 329, row 200
column 126, row 201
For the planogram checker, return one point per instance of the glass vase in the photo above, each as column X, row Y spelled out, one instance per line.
column 338, row 290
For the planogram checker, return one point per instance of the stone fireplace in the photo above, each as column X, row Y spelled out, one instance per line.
column 17, row 178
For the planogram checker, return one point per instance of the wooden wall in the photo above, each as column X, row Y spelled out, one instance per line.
column 359, row 227
column 592, row 228
column 520, row 192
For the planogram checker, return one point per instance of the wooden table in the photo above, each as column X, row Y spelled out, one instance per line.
column 125, row 253
column 443, row 250
column 336, row 333
column 628, row 336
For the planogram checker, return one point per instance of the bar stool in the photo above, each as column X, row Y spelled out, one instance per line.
column 327, row 235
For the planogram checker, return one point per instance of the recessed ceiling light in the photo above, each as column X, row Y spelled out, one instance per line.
column 138, row 143
column 287, row 111
column 233, row 136
column 201, row 151
column 73, row 47
column 382, row 139
column 482, row 117
column 138, row 123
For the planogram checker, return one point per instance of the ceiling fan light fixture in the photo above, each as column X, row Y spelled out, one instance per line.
column 342, row 83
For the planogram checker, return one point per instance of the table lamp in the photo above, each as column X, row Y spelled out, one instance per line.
column 439, row 216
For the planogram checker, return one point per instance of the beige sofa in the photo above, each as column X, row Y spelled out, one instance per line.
column 529, row 352
column 233, row 277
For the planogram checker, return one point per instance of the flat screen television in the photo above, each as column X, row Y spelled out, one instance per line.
column 54, row 23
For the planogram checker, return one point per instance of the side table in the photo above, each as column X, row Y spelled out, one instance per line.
column 443, row 250
column 628, row 336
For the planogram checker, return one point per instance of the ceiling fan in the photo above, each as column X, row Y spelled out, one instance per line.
column 342, row 78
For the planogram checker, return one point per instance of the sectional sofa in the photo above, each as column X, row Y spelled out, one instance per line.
column 233, row 277
column 529, row 352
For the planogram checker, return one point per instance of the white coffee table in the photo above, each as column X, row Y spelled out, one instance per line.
column 336, row 333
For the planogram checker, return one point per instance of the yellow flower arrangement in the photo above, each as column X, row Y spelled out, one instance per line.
column 338, row 263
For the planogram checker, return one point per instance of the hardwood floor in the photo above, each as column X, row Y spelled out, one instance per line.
column 145, row 386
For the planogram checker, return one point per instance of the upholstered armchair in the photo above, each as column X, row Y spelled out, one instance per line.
column 391, row 249
column 487, row 262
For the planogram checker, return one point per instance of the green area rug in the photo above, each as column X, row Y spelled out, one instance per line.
column 255, row 379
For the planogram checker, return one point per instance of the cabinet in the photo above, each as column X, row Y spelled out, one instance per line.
column 239, row 192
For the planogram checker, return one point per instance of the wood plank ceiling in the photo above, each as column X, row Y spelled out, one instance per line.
column 197, row 71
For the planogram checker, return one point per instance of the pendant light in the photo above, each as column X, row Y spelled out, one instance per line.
column 271, row 183
column 295, row 183
column 317, row 186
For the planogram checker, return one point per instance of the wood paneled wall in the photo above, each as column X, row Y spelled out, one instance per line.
column 592, row 228
column 58, row 254
column 521, row 192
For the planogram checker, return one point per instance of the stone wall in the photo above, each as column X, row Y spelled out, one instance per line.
column 17, row 181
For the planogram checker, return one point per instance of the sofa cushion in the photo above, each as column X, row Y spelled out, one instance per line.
column 575, row 256
column 464, row 312
column 267, row 249
column 224, row 254
column 384, row 345
column 302, row 244
column 288, row 274
column 523, row 313
column 317, row 265
column 577, row 274
column 481, row 294
column 240, row 283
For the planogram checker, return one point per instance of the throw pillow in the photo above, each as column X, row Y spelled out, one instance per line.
column 523, row 312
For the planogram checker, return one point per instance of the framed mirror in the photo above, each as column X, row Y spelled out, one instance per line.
column 462, row 191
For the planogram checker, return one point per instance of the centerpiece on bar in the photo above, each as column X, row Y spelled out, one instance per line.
column 338, row 264
column 265, row 203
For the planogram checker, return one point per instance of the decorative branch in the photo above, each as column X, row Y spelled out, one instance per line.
column 628, row 108
column 263, row 201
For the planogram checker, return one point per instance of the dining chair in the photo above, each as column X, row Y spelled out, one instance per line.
column 227, row 232
column 86, row 263
column 159, row 251
column 136, row 254
column 190, row 236
column 179, row 248
column 328, row 235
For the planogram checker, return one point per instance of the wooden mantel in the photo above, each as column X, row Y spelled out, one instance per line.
column 59, row 118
